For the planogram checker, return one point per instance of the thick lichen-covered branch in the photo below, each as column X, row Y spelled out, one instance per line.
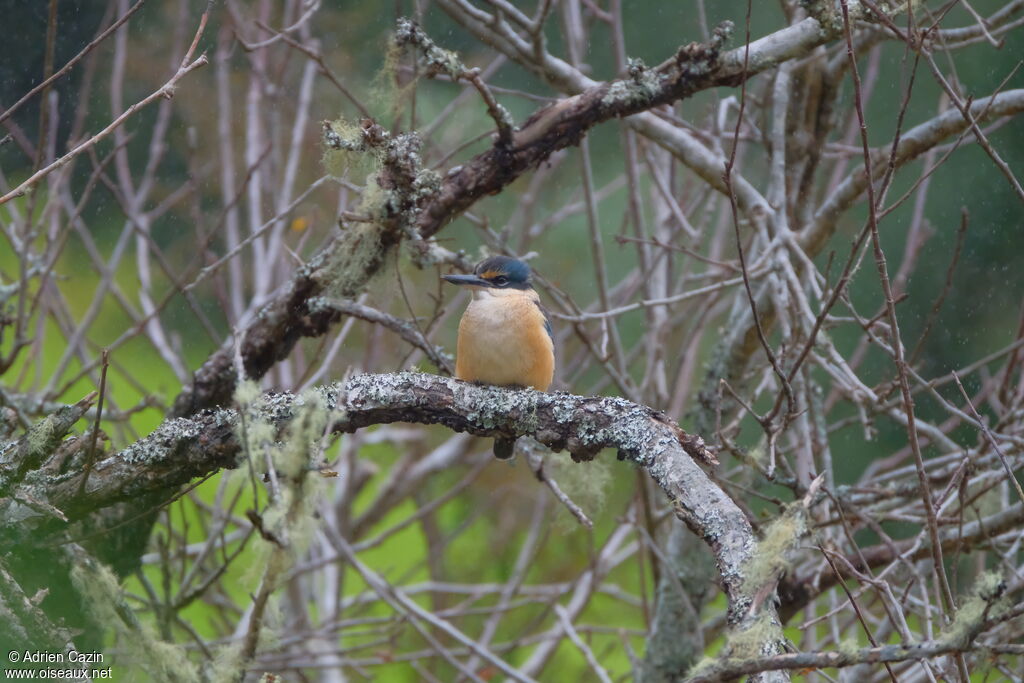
column 185, row 448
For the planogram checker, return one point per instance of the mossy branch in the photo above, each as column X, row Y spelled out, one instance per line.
column 184, row 448
column 42, row 439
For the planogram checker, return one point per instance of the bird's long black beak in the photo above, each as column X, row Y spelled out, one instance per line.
column 466, row 280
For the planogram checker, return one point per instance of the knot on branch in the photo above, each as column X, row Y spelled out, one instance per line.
column 636, row 69
column 824, row 11
column 703, row 56
column 580, row 451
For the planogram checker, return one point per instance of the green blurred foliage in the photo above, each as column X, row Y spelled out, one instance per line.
column 978, row 316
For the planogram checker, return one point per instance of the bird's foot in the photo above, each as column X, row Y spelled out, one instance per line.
column 504, row 448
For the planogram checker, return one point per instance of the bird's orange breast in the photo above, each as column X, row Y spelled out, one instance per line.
column 503, row 341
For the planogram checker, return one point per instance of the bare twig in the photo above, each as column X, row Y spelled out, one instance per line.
column 164, row 92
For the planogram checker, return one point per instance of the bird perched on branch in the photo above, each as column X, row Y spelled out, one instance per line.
column 504, row 336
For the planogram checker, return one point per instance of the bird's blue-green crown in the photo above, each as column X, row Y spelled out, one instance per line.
column 504, row 272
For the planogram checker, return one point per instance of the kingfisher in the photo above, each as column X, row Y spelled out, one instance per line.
column 504, row 335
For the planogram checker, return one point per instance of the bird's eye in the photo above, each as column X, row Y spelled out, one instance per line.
column 501, row 280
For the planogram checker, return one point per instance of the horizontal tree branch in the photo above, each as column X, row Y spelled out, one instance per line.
column 182, row 449
column 731, row 669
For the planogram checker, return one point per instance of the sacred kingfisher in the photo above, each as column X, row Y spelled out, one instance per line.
column 504, row 336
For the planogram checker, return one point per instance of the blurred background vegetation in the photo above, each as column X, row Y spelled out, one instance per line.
column 485, row 524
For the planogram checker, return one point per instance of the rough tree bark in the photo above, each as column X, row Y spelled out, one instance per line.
column 184, row 448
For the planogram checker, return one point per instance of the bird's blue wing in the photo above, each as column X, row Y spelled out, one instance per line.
column 547, row 322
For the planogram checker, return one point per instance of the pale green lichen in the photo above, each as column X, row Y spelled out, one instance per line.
column 748, row 641
column 292, row 517
column 642, row 86
column 226, row 664
column 755, row 638
column 985, row 601
column 758, row 454
column 432, row 57
column 301, row 435
column 430, row 60
column 162, row 661
column 273, row 624
column 849, row 647
column 586, row 486
column 247, row 393
column 771, row 557
column 376, row 203
column 352, row 265
column 345, row 149
column 287, row 523
column 40, row 438
column 287, row 517
column 702, row 665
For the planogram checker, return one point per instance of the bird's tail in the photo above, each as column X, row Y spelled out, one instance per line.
column 504, row 448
